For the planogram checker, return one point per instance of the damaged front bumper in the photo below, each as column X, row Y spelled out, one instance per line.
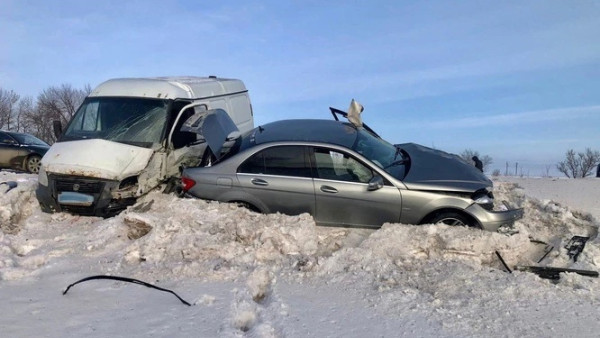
column 493, row 220
column 82, row 196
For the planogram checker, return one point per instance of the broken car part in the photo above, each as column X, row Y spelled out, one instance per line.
column 11, row 185
column 503, row 262
column 575, row 246
column 549, row 272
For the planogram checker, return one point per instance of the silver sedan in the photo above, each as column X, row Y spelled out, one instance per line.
column 346, row 175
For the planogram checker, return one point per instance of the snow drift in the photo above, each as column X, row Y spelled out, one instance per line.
column 438, row 273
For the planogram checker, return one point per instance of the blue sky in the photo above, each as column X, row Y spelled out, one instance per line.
column 516, row 80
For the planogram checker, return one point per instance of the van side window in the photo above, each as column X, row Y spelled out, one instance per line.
column 182, row 138
column 279, row 160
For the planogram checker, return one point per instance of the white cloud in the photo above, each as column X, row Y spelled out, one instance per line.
column 521, row 118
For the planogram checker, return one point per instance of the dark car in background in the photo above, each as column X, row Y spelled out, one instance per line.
column 20, row 151
column 345, row 174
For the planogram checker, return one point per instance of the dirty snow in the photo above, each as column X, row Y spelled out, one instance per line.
column 254, row 275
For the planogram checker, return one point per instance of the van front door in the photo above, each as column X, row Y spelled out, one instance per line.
column 184, row 148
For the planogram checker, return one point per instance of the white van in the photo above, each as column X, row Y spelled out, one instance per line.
column 131, row 135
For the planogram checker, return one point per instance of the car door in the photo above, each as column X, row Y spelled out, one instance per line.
column 342, row 194
column 9, row 150
column 280, row 178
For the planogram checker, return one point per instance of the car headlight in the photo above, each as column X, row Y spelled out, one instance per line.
column 484, row 198
column 42, row 177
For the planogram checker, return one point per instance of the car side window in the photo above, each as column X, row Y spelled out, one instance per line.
column 335, row 165
column 5, row 139
column 279, row 160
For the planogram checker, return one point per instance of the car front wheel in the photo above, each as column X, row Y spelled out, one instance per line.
column 451, row 218
column 33, row 164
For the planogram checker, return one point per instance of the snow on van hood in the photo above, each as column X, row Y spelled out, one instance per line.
column 96, row 158
column 438, row 170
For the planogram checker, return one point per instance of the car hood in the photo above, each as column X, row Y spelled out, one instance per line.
column 96, row 158
column 432, row 169
column 40, row 149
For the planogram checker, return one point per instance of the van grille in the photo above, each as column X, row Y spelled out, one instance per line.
column 78, row 186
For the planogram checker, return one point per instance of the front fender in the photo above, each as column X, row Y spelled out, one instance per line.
column 417, row 205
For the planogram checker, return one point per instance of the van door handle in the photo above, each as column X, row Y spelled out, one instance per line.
column 259, row 181
column 331, row 190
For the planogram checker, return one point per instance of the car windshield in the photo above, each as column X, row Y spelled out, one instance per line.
column 29, row 140
column 384, row 154
column 135, row 121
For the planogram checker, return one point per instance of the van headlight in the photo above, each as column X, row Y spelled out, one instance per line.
column 42, row 177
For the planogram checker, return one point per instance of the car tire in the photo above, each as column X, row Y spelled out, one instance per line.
column 32, row 164
column 247, row 205
column 452, row 219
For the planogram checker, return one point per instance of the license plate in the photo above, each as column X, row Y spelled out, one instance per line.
column 75, row 198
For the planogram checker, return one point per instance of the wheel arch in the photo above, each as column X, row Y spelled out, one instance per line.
column 29, row 156
column 242, row 197
column 430, row 216
column 247, row 205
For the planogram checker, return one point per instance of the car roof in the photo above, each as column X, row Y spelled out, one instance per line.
column 13, row 132
column 306, row 130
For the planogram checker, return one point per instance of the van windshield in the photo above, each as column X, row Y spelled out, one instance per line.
column 136, row 121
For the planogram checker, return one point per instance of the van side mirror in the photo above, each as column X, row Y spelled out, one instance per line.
column 375, row 183
column 57, row 126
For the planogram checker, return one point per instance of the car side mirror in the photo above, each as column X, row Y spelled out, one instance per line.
column 57, row 126
column 375, row 183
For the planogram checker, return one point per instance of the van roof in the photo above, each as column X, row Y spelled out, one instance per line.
column 191, row 87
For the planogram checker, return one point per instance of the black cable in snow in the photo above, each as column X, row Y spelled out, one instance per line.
column 126, row 279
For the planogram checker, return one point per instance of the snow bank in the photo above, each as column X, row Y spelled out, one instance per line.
column 450, row 275
column 18, row 203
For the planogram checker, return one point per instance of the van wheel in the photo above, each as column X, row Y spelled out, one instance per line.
column 32, row 164
column 451, row 218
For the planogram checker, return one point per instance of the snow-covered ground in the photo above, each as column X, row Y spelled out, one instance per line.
column 254, row 275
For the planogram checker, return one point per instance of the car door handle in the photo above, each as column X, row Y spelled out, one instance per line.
column 326, row 188
column 258, row 181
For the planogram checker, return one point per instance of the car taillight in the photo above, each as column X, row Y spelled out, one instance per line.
column 187, row 183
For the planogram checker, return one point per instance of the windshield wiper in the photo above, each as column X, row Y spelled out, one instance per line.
column 398, row 150
column 396, row 162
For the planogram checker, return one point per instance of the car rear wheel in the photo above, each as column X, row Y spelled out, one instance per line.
column 32, row 164
column 247, row 206
column 451, row 218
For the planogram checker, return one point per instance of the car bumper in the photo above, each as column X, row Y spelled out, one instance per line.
column 96, row 201
column 493, row 220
